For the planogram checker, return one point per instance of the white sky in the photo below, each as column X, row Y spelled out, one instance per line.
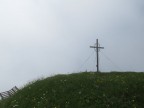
column 40, row 38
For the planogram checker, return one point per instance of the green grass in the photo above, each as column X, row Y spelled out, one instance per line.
column 82, row 90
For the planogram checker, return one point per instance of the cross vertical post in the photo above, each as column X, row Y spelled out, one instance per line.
column 97, row 49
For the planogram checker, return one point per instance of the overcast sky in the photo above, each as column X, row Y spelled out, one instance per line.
column 40, row 38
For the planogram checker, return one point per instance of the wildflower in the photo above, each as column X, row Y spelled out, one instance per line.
column 15, row 106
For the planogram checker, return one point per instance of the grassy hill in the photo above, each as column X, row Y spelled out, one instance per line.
column 82, row 90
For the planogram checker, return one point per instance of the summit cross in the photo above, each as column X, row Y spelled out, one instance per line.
column 97, row 49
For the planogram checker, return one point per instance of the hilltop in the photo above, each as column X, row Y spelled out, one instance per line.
column 81, row 90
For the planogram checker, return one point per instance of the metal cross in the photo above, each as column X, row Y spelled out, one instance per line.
column 97, row 48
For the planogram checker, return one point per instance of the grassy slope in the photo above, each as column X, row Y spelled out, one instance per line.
column 82, row 90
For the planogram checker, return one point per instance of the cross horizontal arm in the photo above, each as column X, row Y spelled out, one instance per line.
column 96, row 47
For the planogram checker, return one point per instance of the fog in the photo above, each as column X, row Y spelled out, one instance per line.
column 41, row 38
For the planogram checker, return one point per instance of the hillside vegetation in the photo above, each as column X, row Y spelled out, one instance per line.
column 82, row 90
